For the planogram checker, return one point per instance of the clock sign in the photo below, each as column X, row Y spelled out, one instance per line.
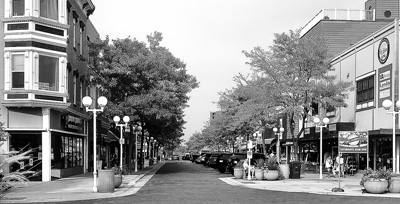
column 383, row 50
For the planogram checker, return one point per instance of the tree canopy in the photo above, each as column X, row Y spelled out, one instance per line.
column 287, row 79
column 144, row 81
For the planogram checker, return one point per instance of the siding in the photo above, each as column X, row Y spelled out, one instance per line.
column 341, row 35
column 390, row 5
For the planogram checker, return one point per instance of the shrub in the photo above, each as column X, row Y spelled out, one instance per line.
column 272, row 163
column 260, row 163
column 239, row 165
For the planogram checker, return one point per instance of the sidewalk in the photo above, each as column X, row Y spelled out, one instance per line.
column 310, row 183
column 76, row 188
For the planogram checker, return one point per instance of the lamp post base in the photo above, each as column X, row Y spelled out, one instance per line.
column 94, row 189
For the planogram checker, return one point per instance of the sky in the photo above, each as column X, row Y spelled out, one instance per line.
column 209, row 36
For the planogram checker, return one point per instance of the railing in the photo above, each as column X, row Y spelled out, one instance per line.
column 339, row 14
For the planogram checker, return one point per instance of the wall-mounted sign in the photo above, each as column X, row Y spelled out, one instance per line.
column 384, row 84
column 72, row 123
column 353, row 142
column 383, row 50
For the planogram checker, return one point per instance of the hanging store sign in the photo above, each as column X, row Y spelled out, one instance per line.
column 353, row 142
column 384, row 84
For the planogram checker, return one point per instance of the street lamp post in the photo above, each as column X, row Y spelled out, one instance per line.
column 121, row 140
column 154, row 150
column 138, row 129
column 325, row 122
column 387, row 104
column 102, row 102
column 278, row 143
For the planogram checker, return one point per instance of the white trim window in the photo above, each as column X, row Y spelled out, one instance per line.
column 49, row 9
column 81, row 93
column 49, row 73
column 74, row 84
column 80, row 40
column 18, row 8
column 74, row 32
column 17, row 71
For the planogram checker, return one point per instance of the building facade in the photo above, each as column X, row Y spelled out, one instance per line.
column 357, row 41
column 43, row 81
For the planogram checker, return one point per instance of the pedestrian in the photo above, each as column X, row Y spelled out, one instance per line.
column 340, row 168
column 329, row 165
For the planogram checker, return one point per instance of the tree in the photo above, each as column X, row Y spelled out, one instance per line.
column 145, row 82
column 296, row 70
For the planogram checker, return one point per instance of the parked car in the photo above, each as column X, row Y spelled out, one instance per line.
column 205, row 159
column 222, row 162
column 212, row 162
column 199, row 159
column 234, row 159
column 193, row 157
column 186, row 156
column 175, row 157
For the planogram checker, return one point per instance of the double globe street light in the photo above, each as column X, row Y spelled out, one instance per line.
column 87, row 102
column 317, row 122
column 387, row 104
column 121, row 140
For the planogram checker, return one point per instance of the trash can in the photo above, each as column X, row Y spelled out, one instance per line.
column 105, row 182
column 295, row 168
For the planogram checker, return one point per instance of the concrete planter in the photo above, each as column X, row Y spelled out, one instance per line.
column 271, row 175
column 394, row 186
column 376, row 187
column 117, row 180
column 259, row 174
column 238, row 173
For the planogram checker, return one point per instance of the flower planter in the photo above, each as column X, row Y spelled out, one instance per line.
column 117, row 180
column 271, row 175
column 394, row 186
column 238, row 173
column 259, row 174
column 376, row 187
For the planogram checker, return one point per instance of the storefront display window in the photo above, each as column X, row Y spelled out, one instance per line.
column 71, row 152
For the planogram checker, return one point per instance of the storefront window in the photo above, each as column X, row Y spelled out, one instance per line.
column 71, row 152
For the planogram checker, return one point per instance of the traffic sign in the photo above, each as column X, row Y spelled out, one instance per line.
column 250, row 154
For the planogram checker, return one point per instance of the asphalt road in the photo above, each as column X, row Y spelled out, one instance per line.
column 183, row 182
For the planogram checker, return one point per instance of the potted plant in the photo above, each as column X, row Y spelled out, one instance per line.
column 376, row 181
column 272, row 168
column 238, row 170
column 258, row 171
column 117, row 176
column 394, row 184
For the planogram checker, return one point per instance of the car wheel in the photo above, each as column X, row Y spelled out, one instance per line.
column 221, row 170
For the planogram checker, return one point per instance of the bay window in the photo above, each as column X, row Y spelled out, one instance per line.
column 18, row 7
column 17, row 71
column 48, row 73
column 49, row 9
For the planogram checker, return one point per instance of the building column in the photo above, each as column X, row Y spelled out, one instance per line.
column 86, row 148
column 397, row 155
column 46, row 146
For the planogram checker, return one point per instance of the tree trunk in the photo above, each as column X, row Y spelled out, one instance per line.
column 141, row 150
column 130, row 148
